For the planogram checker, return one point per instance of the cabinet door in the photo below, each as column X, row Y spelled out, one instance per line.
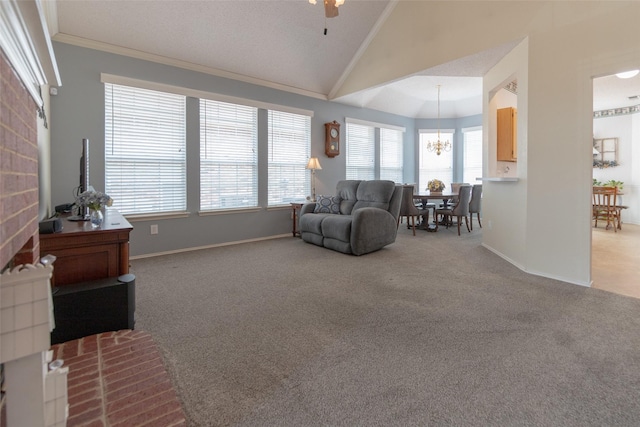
column 507, row 134
column 85, row 263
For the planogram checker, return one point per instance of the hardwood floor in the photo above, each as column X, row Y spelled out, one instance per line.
column 615, row 261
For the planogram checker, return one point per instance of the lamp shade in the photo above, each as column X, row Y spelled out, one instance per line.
column 313, row 164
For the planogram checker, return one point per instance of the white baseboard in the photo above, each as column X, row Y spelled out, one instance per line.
column 217, row 245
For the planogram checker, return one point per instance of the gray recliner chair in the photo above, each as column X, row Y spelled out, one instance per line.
column 365, row 221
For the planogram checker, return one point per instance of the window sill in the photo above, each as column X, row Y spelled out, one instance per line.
column 150, row 217
column 230, row 211
column 498, row 179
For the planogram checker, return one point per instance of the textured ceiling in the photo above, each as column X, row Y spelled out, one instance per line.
column 281, row 43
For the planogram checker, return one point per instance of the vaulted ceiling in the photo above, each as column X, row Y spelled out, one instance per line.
column 282, row 44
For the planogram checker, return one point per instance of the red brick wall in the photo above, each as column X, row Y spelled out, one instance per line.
column 19, row 240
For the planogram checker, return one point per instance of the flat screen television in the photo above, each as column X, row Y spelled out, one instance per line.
column 83, row 211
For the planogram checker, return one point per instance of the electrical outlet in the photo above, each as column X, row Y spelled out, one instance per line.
column 154, row 228
column 489, row 225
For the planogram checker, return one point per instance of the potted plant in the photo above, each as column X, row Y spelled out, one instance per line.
column 614, row 183
column 435, row 186
column 95, row 201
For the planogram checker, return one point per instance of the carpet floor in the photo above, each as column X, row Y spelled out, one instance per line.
column 432, row 330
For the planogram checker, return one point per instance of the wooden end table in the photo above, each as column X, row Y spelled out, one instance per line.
column 295, row 213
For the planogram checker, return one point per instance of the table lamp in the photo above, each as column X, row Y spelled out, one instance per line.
column 314, row 165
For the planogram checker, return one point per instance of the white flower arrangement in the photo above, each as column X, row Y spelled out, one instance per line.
column 435, row 185
column 94, row 200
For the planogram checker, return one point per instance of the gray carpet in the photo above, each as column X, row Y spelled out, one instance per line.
column 432, row 330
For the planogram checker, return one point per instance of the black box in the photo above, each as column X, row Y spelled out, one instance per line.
column 90, row 308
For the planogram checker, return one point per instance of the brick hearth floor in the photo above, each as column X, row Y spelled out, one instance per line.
column 118, row 379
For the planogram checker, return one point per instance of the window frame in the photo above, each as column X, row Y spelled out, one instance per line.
column 131, row 121
column 283, row 139
column 424, row 176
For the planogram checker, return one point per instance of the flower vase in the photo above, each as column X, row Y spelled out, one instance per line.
column 96, row 218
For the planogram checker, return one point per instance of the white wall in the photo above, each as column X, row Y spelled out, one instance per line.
column 505, row 202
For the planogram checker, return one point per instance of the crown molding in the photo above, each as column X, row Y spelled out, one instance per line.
column 132, row 53
column 24, row 39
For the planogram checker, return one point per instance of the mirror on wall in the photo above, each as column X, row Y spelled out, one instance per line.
column 605, row 152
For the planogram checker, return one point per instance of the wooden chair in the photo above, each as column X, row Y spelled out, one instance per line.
column 461, row 209
column 605, row 206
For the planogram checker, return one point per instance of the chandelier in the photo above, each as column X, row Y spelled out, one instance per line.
column 439, row 146
column 330, row 7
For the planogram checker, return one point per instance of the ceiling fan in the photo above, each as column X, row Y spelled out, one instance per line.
column 330, row 7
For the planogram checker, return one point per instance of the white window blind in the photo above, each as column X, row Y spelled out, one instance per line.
column 391, row 155
column 472, row 156
column 433, row 166
column 145, row 150
column 289, row 148
column 360, row 152
column 228, row 155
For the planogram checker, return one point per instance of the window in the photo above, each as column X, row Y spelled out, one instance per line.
column 391, row 155
column 431, row 165
column 228, row 155
column 145, row 150
column 289, row 148
column 360, row 151
column 472, row 139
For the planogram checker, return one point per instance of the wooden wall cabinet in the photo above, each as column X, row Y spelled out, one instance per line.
column 507, row 134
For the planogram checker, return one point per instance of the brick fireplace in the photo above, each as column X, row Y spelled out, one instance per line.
column 18, row 171
column 36, row 393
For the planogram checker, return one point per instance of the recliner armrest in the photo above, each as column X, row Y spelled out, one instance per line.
column 371, row 229
column 307, row 208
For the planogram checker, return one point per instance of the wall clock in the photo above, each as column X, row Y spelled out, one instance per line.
column 332, row 139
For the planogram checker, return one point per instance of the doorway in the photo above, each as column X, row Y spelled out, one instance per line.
column 615, row 256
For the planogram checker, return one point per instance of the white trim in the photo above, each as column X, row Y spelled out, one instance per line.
column 217, row 245
column 532, row 272
column 374, row 124
column 105, row 47
column 499, row 179
column 156, row 216
column 195, row 93
column 363, row 47
column 436, row 130
column 471, row 129
column 24, row 39
column 50, row 9
column 229, row 211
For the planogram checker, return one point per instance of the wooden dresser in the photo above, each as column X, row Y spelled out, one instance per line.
column 84, row 253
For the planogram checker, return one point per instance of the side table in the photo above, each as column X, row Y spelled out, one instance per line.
column 295, row 212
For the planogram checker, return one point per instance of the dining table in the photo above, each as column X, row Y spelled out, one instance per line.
column 446, row 198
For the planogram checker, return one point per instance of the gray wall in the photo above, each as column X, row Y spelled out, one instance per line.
column 78, row 112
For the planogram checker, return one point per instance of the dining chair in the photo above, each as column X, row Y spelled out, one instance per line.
column 460, row 210
column 408, row 208
column 605, row 207
column 455, row 187
column 474, row 204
